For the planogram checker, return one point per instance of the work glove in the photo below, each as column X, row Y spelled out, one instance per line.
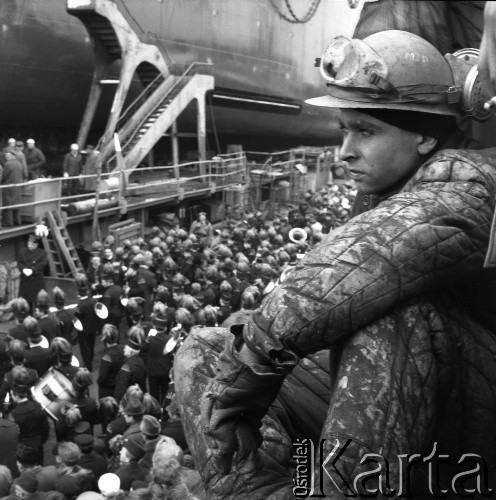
column 234, row 404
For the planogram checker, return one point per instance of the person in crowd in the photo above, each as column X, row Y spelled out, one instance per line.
column 90, row 323
column 203, row 224
column 150, row 430
column 9, row 435
column 17, row 349
column 130, row 470
column 72, row 166
column 73, row 479
column 27, row 461
column 28, row 414
column 90, row 169
column 31, row 262
column 94, row 274
column 20, row 308
column 25, row 487
column 5, row 359
column 65, row 315
column 38, row 356
column 63, row 357
column 112, row 294
column 119, row 424
column 111, row 362
column 133, row 413
column 13, row 174
column 9, row 148
column 133, row 371
column 87, row 405
column 158, row 365
column 68, row 419
column 173, row 427
column 49, row 323
column 89, row 459
column 35, row 160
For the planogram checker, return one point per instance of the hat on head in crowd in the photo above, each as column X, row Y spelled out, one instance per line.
column 28, row 482
column 134, row 448
column 84, row 441
column 109, row 484
column 58, row 296
column 150, row 426
column 82, row 284
column 32, row 327
column 133, row 307
column 134, row 408
column 83, row 427
column 27, row 454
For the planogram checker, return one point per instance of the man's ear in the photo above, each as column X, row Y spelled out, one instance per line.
column 426, row 145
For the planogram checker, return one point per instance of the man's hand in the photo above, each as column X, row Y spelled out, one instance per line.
column 487, row 58
column 235, row 402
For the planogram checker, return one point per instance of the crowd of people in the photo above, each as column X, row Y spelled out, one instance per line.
column 140, row 299
column 23, row 161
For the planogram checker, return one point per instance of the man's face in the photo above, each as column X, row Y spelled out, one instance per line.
column 108, row 253
column 378, row 155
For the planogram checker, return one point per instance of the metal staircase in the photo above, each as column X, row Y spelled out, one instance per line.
column 116, row 35
column 63, row 259
column 147, row 131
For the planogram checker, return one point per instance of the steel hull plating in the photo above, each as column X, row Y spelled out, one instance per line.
column 46, row 63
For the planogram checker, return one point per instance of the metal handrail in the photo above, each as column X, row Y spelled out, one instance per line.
column 147, row 91
column 179, row 81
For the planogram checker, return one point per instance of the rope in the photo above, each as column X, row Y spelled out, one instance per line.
column 294, row 18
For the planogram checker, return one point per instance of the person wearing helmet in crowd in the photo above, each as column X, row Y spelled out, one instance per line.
column 158, row 365
column 64, row 315
column 62, row 357
column 49, row 323
column 111, row 362
column 89, row 321
column 17, row 350
column 20, row 308
column 38, row 356
column 133, row 370
column 28, row 414
column 399, row 295
column 112, row 294
column 86, row 404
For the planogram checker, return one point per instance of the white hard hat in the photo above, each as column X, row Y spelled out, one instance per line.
column 109, row 484
column 30, row 141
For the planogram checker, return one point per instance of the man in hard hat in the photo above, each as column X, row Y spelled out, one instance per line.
column 72, row 166
column 397, row 299
column 35, row 159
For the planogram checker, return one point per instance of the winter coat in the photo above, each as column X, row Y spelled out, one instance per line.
column 13, row 173
column 30, row 285
column 72, row 165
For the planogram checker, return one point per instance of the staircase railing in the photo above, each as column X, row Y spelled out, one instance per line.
column 189, row 72
column 133, row 107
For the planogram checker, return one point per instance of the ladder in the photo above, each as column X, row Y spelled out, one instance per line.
column 63, row 259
